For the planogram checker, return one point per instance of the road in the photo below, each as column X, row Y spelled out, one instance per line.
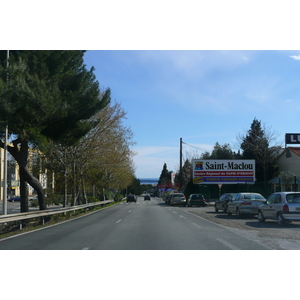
column 152, row 225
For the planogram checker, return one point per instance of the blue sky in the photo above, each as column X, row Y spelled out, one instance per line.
column 201, row 96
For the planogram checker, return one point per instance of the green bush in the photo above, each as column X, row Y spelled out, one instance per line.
column 53, row 199
column 118, row 197
column 34, row 203
column 92, row 199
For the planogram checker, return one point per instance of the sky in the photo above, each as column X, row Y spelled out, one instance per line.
column 201, row 96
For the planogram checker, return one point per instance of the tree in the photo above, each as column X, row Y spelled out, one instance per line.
column 186, row 174
column 101, row 160
column 50, row 95
column 165, row 176
column 220, row 152
column 256, row 145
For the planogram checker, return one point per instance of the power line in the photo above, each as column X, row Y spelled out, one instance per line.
column 194, row 146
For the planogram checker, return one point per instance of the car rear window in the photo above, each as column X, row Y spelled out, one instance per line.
column 178, row 195
column 197, row 197
column 293, row 198
column 253, row 197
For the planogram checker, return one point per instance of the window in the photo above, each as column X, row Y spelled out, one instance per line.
column 271, row 199
column 277, row 198
column 293, row 198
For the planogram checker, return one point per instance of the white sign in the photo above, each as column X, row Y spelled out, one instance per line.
column 223, row 171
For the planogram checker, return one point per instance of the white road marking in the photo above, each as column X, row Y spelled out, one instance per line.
column 231, row 246
column 119, row 221
column 182, row 217
column 86, row 248
column 129, row 211
column 175, row 212
column 196, row 225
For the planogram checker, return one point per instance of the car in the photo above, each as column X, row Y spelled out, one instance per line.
column 34, row 198
column 222, row 203
column 14, row 198
column 177, row 199
column 245, row 203
column 196, row 199
column 147, row 197
column 131, row 198
column 282, row 206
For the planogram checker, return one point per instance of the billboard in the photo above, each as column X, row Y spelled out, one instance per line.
column 292, row 138
column 223, row 171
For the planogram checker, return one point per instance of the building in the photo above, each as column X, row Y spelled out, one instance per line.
column 289, row 170
column 36, row 165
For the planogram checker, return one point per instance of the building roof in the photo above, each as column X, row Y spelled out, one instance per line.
column 296, row 150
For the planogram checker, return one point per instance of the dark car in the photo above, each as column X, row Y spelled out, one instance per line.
column 14, row 198
column 131, row 198
column 222, row 203
column 196, row 199
column 147, row 197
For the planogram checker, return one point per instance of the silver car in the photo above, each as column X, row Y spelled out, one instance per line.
column 245, row 203
column 177, row 199
column 283, row 207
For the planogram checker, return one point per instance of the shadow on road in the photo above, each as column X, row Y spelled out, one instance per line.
column 271, row 224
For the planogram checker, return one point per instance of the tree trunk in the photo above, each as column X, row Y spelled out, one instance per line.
column 23, row 191
column 34, row 182
column 21, row 156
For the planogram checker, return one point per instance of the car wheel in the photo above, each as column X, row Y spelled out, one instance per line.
column 280, row 220
column 260, row 217
column 238, row 213
column 228, row 212
column 216, row 209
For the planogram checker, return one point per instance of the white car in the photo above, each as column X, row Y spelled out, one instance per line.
column 283, row 207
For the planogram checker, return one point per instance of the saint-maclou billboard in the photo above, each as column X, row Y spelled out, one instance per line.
column 223, row 171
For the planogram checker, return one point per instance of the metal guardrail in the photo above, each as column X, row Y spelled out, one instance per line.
column 43, row 213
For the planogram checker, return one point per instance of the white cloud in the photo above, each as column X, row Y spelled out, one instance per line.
column 295, row 57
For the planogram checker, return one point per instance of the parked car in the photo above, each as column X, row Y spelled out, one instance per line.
column 14, row 198
column 196, row 199
column 177, row 199
column 245, row 203
column 222, row 203
column 147, row 197
column 131, row 198
column 283, row 207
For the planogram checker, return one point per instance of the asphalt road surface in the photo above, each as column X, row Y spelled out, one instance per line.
column 152, row 225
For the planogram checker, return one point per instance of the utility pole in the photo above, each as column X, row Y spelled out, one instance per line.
column 5, row 156
column 180, row 163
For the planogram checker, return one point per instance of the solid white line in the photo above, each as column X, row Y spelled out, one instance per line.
column 119, row 221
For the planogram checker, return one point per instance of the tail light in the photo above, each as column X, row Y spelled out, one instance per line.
column 246, row 203
column 285, row 208
column 204, row 200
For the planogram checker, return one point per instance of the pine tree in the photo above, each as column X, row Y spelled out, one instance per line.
column 49, row 95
